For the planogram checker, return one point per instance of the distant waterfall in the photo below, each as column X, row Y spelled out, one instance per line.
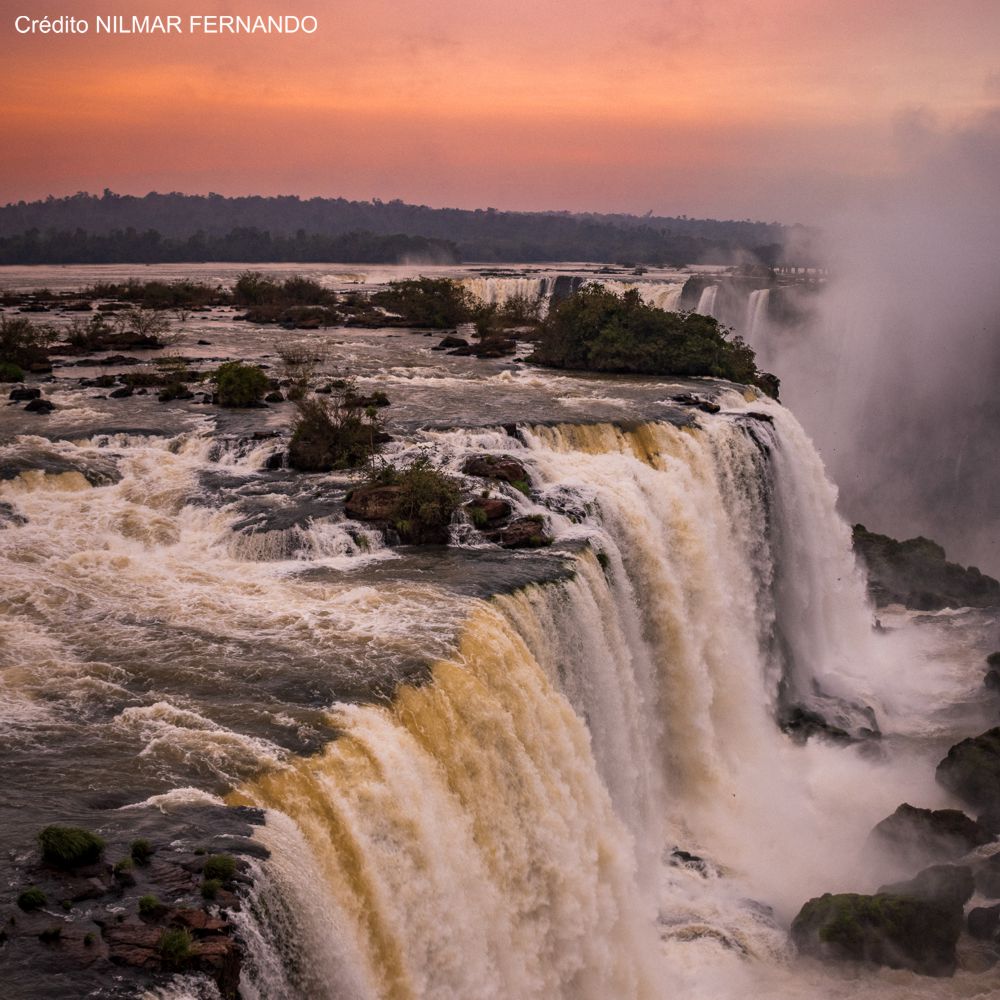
column 498, row 291
column 756, row 315
column 706, row 302
column 499, row 830
column 662, row 294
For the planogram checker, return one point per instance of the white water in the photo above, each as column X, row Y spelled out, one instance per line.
column 756, row 316
column 503, row 830
column 499, row 291
column 706, row 301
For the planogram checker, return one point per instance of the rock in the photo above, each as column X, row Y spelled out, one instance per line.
column 274, row 462
column 499, row 467
column 121, row 393
column 916, row 836
column 40, row 405
column 987, row 875
column 524, row 533
column 992, row 678
column 690, row 399
column 204, row 343
column 175, row 392
column 895, row 931
column 488, row 512
column 951, row 886
column 452, row 341
column 971, row 770
column 274, row 397
column 372, row 503
column 990, row 820
column 984, row 922
column 22, row 394
column 10, row 517
column 801, row 723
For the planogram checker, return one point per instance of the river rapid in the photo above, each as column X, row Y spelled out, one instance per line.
column 484, row 773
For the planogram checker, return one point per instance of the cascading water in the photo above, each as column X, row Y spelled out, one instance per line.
column 706, row 301
column 756, row 315
column 499, row 291
column 506, row 828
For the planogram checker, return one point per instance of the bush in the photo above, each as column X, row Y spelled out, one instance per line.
column 599, row 330
column 31, row 899
column 427, row 302
column 23, row 343
column 9, row 372
column 426, row 500
column 219, row 866
column 69, row 846
column 175, row 946
column 333, row 433
column 240, row 385
column 150, row 905
column 210, row 888
column 141, row 851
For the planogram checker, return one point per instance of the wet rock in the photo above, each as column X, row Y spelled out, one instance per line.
column 801, row 723
column 499, row 467
column 121, row 393
column 916, row 836
column 372, row 503
column 274, row 397
column 488, row 512
column 895, row 931
column 949, row 885
column 451, row 341
column 971, row 770
column 40, row 405
column 524, row 533
column 23, row 393
column 984, row 922
column 987, row 875
column 685, row 859
column 170, row 393
column 9, row 516
column 698, row 402
column 992, row 678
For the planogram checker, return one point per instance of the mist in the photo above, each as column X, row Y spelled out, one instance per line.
column 895, row 376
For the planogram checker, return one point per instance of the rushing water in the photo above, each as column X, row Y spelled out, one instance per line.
column 476, row 764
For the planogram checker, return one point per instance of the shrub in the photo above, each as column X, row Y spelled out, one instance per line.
column 31, row 899
column 23, row 343
column 141, row 851
column 240, row 385
column 219, row 866
column 210, row 888
column 9, row 372
column 69, row 846
column 333, row 433
column 174, row 946
column 426, row 500
column 599, row 330
column 427, row 302
column 150, row 905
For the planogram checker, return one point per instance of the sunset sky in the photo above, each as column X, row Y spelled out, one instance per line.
column 772, row 109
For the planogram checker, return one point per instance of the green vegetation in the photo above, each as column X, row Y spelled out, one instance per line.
column 174, row 946
column 437, row 303
column 31, row 899
column 599, row 330
column 333, row 432
column 9, row 372
column 150, row 905
column 240, row 385
column 424, row 500
column 69, row 846
column 23, row 343
column 210, row 888
column 124, row 867
column 141, row 851
column 219, row 866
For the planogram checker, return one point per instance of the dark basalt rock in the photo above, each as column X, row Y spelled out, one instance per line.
column 40, row 405
column 949, row 885
column 9, row 516
column 917, row 836
column 499, row 467
column 698, row 402
column 524, row 533
column 971, row 770
column 917, row 574
column 274, row 397
column 488, row 512
column 900, row 932
column 451, row 341
column 23, row 393
column 372, row 503
column 801, row 723
column 984, row 922
column 987, row 875
column 992, row 678
column 121, row 393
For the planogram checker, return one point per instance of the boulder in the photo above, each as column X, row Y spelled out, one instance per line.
column 971, row 770
column 500, row 467
column 951, row 886
column 524, row 533
column 984, row 922
column 40, row 405
column 690, row 399
column 274, row 397
column 121, row 393
column 372, row 503
column 22, row 393
column 488, row 512
column 900, row 932
column 916, row 836
column 987, row 874
column 452, row 341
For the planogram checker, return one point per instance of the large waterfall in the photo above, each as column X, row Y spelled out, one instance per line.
column 505, row 828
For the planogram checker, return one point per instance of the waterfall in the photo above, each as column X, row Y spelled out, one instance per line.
column 501, row 829
column 706, row 301
column 662, row 294
column 500, row 291
column 756, row 315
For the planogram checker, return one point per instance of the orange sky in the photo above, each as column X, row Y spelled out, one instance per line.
column 734, row 108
